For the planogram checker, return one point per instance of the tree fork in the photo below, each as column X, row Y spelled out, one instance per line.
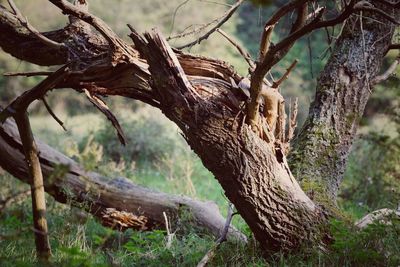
column 37, row 188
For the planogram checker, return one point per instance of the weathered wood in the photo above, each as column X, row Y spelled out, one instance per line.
column 41, row 232
column 378, row 216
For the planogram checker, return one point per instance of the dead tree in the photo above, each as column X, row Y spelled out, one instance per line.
column 244, row 150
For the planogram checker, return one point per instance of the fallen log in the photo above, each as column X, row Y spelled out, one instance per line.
column 116, row 202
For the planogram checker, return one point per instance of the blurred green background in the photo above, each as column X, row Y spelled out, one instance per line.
column 157, row 156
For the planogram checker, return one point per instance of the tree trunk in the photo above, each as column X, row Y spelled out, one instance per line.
column 117, row 203
column 253, row 172
column 322, row 147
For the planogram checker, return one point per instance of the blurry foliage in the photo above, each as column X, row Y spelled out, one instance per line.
column 372, row 178
column 149, row 137
column 90, row 155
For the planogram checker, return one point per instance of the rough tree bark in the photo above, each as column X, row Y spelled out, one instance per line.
column 201, row 96
column 322, row 147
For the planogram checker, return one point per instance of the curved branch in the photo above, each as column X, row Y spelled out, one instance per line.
column 18, row 41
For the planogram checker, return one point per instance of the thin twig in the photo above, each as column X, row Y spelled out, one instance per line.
column 52, row 114
column 365, row 6
column 384, row 76
column 211, row 253
column 28, row 74
column 222, row 20
column 170, row 235
column 102, row 107
column 25, row 23
column 241, row 50
column 174, row 16
column 315, row 13
column 277, row 83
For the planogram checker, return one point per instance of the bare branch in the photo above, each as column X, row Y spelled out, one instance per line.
column 102, row 106
column 285, row 10
column 302, row 15
column 265, row 41
column 277, row 83
column 29, row 74
column 394, row 46
column 390, row 71
column 269, row 56
column 315, row 13
column 23, row 101
column 97, row 23
column 52, row 114
column 222, row 20
column 241, row 50
column 112, row 38
column 25, row 23
column 366, row 6
column 30, row 148
column 15, row 9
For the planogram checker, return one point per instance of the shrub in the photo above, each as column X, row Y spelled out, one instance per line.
column 149, row 138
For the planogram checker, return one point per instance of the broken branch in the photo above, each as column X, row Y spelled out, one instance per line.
column 265, row 41
column 277, row 83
